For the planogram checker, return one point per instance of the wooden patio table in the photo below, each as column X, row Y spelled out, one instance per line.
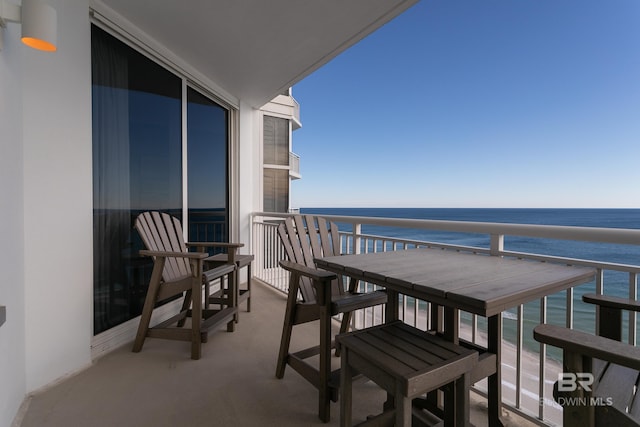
column 480, row 284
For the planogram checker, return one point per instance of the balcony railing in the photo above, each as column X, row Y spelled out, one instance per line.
column 529, row 368
column 294, row 165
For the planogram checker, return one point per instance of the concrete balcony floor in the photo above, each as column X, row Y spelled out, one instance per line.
column 233, row 384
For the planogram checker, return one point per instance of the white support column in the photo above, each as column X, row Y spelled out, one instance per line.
column 357, row 230
column 497, row 244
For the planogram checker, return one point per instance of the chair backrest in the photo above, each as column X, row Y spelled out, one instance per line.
column 162, row 232
column 308, row 237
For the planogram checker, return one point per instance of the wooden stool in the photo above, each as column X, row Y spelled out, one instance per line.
column 240, row 261
column 407, row 363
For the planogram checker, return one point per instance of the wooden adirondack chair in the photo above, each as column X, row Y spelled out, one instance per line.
column 612, row 399
column 316, row 295
column 176, row 270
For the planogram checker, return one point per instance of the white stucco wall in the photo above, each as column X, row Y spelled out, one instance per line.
column 46, row 253
column 250, row 169
column 12, row 343
column 58, row 253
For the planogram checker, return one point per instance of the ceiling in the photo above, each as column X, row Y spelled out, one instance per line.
column 255, row 49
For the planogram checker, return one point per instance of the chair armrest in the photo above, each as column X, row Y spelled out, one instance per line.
column 321, row 280
column 612, row 302
column 231, row 248
column 214, row 245
column 165, row 254
column 312, row 273
column 218, row 272
column 590, row 345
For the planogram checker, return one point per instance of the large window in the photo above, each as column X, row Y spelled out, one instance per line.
column 138, row 166
column 276, row 164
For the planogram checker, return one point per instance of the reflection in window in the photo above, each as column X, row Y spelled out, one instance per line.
column 207, row 169
column 137, row 166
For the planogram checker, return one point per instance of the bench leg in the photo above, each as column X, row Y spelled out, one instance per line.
column 403, row 407
column 461, row 403
column 346, row 384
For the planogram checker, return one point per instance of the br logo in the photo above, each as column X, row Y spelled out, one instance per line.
column 568, row 381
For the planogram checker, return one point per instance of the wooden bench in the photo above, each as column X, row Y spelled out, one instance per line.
column 407, row 363
column 612, row 398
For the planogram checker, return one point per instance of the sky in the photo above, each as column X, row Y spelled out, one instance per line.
column 478, row 103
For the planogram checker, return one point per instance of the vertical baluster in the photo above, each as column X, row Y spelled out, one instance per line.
column 474, row 328
column 543, row 360
column 519, row 346
column 569, row 309
column 633, row 294
column 599, row 291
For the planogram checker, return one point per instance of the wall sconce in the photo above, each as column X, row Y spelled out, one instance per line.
column 38, row 19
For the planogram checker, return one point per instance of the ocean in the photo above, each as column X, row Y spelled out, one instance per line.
column 615, row 283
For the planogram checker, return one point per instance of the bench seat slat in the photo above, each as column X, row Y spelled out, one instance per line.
column 617, row 383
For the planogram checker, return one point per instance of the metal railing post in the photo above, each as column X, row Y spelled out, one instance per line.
column 497, row 244
column 357, row 231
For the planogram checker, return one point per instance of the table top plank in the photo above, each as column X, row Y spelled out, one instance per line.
column 493, row 297
column 480, row 284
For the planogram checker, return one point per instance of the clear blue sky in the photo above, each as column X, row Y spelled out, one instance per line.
column 478, row 103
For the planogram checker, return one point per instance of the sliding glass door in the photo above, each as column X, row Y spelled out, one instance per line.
column 138, row 145
column 207, row 136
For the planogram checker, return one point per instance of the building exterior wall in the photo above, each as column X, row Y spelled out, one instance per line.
column 12, row 332
column 58, row 200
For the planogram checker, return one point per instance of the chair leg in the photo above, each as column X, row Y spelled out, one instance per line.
column 232, row 300
column 249, row 287
column 344, row 327
column 346, row 317
column 196, row 320
column 324, row 402
column 287, row 328
column 149, row 302
column 186, row 303
column 234, row 282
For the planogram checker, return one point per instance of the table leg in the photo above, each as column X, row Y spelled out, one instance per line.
column 437, row 315
column 451, row 324
column 391, row 314
column 494, row 382
column 391, row 311
column 451, row 333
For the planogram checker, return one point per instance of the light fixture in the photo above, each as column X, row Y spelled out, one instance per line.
column 38, row 23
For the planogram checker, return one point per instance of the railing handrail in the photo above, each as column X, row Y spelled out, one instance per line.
column 624, row 236
column 627, row 268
